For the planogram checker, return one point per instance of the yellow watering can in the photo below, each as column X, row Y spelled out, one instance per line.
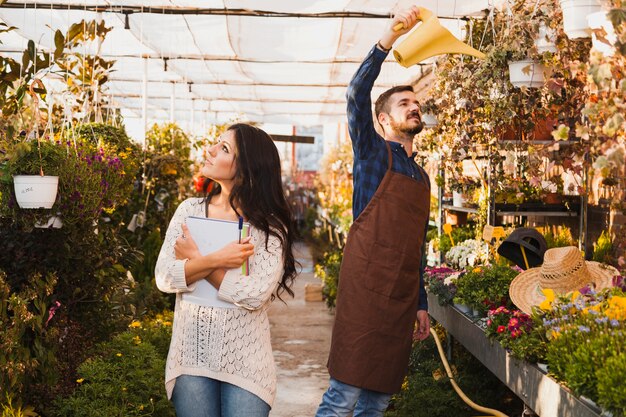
column 429, row 39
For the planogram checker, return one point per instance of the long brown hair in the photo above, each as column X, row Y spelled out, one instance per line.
column 258, row 192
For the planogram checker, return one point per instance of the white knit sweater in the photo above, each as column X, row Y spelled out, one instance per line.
column 228, row 344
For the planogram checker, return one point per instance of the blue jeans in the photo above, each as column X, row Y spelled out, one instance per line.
column 341, row 399
column 199, row 396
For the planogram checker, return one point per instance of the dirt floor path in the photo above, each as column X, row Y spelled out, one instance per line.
column 301, row 339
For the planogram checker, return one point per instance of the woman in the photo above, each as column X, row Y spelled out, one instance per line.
column 220, row 360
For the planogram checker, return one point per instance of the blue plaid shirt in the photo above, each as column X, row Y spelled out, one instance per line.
column 370, row 152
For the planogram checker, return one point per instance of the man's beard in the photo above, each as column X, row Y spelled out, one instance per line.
column 404, row 127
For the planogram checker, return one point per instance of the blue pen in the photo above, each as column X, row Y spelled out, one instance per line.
column 240, row 227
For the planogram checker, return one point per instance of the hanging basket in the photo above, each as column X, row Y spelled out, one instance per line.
column 545, row 39
column 600, row 20
column 526, row 73
column 429, row 120
column 35, row 191
column 575, row 17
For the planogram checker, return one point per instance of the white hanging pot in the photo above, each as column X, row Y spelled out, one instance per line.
column 458, row 199
column 600, row 20
column 35, row 191
column 429, row 120
column 545, row 39
column 575, row 17
column 526, row 73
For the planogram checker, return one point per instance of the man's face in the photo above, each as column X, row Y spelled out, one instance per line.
column 404, row 113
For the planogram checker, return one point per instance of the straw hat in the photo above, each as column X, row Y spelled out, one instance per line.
column 563, row 270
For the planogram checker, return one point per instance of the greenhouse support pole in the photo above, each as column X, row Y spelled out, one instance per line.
column 144, row 101
column 440, row 214
column 172, row 100
column 583, row 224
column 294, row 163
column 192, row 122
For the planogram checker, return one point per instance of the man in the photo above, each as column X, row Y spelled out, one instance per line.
column 381, row 290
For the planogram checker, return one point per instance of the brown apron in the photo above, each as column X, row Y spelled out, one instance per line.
column 379, row 286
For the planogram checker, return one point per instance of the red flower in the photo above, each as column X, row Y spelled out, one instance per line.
column 501, row 329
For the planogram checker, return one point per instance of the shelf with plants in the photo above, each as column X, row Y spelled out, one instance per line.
column 543, row 394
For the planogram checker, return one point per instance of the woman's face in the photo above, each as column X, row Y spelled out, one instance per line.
column 219, row 164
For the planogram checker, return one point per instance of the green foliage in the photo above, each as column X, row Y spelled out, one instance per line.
column 603, row 248
column 30, row 157
column 584, row 333
column 92, row 178
column 557, row 236
column 427, row 390
column 486, row 287
column 328, row 272
column 459, row 234
column 125, row 378
column 611, row 387
column 27, row 353
column 10, row 410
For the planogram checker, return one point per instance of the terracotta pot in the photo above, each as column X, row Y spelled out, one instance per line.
column 456, row 218
column 542, row 131
column 553, row 198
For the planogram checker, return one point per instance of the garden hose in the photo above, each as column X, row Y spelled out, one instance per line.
column 466, row 400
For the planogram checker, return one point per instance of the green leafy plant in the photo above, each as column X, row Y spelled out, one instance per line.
column 486, row 287
column 603, row 248
column 328, row 272
column 584, row 332
column 27, row 344
column 124, row 378
column 611, row 389
column 10, row 410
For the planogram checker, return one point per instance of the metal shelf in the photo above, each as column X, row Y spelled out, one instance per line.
column 461, row 209
column 541, row 393
column 537, row 213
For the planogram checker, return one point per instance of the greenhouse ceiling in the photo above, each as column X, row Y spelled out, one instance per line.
column 272, row 61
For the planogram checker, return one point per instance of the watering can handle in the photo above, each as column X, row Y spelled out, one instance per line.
column 425, row 14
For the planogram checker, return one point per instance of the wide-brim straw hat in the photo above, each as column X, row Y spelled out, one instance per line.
column 563, row 270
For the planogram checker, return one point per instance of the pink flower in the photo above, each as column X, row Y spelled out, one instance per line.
column 52, row 311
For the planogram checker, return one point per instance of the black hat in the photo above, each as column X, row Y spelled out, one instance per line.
column 531, row 240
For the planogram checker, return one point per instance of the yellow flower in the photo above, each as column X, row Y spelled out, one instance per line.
column 477, row 269
column 554, row 334
column 167, row 323
column 135, row 324
column 137, row 340
column 119, row 355
column 80, row 380
column 546, row 304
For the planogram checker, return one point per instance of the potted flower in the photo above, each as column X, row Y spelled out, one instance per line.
column 486, row 287
column 32, row 169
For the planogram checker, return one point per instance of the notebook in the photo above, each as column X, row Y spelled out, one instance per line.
column 211, row 235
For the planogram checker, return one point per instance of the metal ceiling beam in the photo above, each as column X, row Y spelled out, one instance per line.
column 211, row 99
column 201, row 11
